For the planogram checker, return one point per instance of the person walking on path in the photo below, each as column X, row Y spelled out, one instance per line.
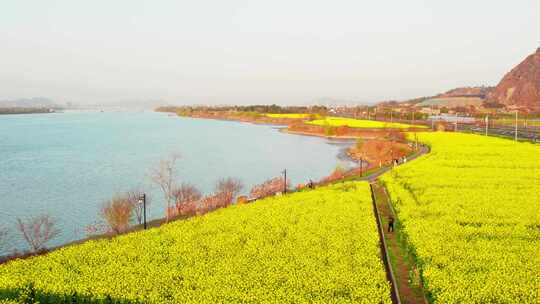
column 391, row 224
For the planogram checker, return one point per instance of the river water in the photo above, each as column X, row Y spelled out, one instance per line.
column 67, row 164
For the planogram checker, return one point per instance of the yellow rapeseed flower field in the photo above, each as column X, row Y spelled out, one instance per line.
column 470, row 213
column 359, row 123
column 288, row 115
column 318, row 246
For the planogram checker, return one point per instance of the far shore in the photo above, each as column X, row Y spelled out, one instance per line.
column 18, row 111
column 376, row 137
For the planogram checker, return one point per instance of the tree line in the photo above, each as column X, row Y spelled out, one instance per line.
column 272, row 109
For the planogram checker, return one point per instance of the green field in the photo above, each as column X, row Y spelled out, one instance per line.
column 358, row 123
column 470, row 212
column 314, row 246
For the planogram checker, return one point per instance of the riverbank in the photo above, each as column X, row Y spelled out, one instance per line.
column 251, row 117
column 376, row 148
column 364, row 173
column 382, row 145
column 92, row 152
column 305, row 124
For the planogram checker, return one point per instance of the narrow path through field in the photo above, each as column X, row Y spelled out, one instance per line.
column 374, row 175
column 403, row 268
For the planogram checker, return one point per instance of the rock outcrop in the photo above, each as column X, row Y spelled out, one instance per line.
column 521, row 86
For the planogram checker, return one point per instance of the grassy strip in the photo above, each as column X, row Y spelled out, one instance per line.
column 401, row 259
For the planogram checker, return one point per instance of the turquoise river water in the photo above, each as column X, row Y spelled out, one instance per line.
column 67, row 164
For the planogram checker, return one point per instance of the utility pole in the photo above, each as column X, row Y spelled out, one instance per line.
column 516, row 130
column 285, row 181
column 391, row 116
column 142, row 201
column 432, row 123
column 487, row 124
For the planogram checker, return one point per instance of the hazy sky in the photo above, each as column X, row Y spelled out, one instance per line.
column 238, row 51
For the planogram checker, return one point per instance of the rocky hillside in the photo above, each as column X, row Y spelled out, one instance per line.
column 521, row 86
column 480, row 92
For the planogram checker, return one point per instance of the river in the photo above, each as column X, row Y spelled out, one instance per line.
column 67, row 164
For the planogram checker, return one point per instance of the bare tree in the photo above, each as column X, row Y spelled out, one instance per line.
column 117, row 213
column 37, row 231
column 96, row 228
column 133, row 196
column 225, row 191
column 164, row 175
column 186, row 193
column 228, row 188
column 186, row 198
column 3, row 236
column 268, row 188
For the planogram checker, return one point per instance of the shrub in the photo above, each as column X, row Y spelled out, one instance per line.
column 117, row 213
column 38, row 231
column 187, row 208
column 268, row 188
column 227, row 189
column 241, row 200
column 185, row 199
column 212, row 202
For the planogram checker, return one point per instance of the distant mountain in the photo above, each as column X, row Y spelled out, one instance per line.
column 35, row 102
column 521, row 86
column 481, row 92
column 459, row 97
